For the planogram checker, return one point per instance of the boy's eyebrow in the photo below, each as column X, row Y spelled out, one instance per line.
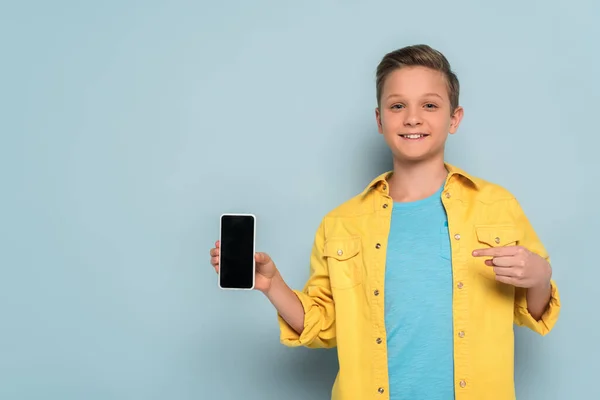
column 425, row 95
column 433, row 94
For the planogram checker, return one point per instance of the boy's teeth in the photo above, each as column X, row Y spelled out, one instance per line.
column 412, row 136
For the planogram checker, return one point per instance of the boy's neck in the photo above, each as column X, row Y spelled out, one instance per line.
column 412, row 181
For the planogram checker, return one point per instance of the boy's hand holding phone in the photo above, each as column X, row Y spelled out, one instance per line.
column 265, row 268
column 241, row 268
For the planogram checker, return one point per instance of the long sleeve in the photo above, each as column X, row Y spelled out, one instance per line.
column 316, row 298
column 531, row 241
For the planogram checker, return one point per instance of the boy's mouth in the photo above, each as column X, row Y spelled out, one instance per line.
column 414, row 136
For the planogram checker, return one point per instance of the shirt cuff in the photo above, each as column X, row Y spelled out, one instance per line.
column 549, row 317
column 312, row 322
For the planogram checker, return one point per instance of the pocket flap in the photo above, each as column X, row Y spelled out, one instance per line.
column 342, row 248
column 498, row 235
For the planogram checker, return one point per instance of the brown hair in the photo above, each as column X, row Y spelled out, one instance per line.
column 418, row 55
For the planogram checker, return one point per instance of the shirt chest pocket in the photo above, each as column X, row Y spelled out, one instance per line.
column 344, row 261
column 494, row 236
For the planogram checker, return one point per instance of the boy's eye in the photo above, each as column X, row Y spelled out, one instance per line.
column 397, row 106
column 430, row 105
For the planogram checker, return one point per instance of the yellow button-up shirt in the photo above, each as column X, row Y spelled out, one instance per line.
column 343, row 299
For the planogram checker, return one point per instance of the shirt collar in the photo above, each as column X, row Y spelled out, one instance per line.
column 381, row 180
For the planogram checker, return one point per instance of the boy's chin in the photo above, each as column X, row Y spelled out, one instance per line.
column 413, row 157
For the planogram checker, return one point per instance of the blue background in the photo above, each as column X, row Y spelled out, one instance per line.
column 128, row 127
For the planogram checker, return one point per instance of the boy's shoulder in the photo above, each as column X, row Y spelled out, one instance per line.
column 477, row 188
column 473, row 188
column 361, row 203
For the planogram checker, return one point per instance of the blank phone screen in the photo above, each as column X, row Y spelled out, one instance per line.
column 236, row 267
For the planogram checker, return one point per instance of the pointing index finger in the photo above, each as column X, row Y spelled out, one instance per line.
column 495, row 252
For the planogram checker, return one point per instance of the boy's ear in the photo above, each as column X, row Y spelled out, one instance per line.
column 378, row 119
column 456, row 118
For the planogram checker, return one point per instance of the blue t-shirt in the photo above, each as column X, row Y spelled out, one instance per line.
column 418, row 302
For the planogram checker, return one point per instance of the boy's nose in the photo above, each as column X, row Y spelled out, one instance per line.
column 412, row 119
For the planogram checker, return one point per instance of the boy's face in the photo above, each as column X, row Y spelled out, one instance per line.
column 415, row 116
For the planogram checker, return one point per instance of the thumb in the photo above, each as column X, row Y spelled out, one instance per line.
column 262, row 258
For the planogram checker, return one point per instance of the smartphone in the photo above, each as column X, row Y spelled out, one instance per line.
column 236, row 255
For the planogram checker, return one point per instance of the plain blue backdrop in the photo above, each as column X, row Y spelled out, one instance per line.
column 128, row 127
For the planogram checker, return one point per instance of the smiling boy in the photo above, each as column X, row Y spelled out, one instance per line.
column 419, row 279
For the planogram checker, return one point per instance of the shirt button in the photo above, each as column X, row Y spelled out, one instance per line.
column 457, row 236
column 461, row 334
column 379, row 340
column 378, row 246
column 384, row 187
column 376, row 292
column 447, row 195
column 380, row 390
column 497, row 240
column 385, row 206
column 463, row 383
column 340, row 252
column 459, row 285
